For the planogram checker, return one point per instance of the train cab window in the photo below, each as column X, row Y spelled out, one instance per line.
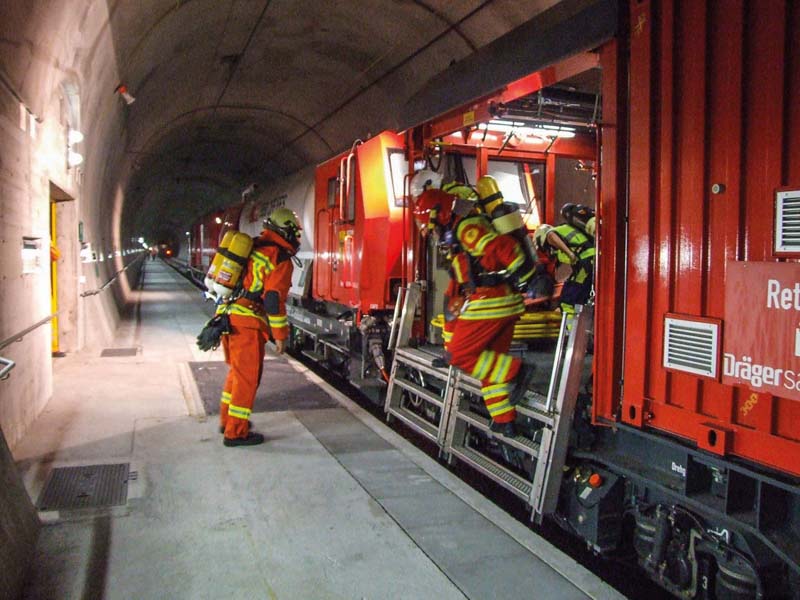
column 398, row 169
column 522, row 183
column 333, row 191
column 350, row 204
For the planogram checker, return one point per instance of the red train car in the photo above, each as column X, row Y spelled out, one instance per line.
column 678, row 123
column 359, row 225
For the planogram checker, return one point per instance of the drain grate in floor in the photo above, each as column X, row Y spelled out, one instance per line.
column 90, row 486
column 119, row 352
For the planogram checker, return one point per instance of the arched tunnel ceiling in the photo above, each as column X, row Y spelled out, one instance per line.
column 234, row 91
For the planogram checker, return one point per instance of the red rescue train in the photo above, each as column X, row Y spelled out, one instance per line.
column 665, row 417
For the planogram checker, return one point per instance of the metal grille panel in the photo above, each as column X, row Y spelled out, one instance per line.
column 91, row 486
column 787, row 222
column 691, row 346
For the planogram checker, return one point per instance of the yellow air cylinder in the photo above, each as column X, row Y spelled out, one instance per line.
column 505, row 217
column 234, row 260
column 217, row 261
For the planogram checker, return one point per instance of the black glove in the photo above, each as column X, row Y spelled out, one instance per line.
column 209, row 338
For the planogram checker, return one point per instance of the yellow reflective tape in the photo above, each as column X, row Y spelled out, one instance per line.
column 485, row 361
column 236, row 309
column 226, row 398
column 457, row 270
column 278, row 321
column 499, row 408
column 239, row 412
column 497, row 390
column 495, row 302
column 481, row 245
column 492, row 314
column 501, row 368
column 516, row 263
column 264, row 260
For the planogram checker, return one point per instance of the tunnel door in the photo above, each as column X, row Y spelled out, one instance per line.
column 63, row 270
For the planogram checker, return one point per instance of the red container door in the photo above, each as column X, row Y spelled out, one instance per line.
column 713, row 131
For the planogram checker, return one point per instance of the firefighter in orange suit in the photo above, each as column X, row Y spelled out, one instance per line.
column 259, row 310
column 490, row 268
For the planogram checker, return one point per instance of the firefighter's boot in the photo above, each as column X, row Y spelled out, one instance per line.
column 522, row 382
column 252, row 439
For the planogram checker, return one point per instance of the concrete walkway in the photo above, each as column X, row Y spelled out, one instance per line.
column 334, row 505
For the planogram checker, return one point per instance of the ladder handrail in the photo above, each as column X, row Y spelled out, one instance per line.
column 549, row 467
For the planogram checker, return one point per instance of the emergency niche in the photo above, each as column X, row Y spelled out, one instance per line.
column 228, row 264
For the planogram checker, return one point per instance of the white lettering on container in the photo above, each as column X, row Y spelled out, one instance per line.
column 783, row 298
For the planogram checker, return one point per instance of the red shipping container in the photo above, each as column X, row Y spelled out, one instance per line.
column 702, row 78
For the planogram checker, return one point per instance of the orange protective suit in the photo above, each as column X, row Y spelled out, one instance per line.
column 268, row 270
column 484, row 329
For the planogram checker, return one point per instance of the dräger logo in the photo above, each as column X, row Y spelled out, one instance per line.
column 759, row 375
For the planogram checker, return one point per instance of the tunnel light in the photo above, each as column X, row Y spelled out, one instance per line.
column 218, row 221
column 74, row 137
column 74, row 158
column 187, row 233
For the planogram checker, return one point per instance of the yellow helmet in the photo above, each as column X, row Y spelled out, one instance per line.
column 286, row 223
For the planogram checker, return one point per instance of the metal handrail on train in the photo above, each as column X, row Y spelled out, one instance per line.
column 113, row 278
column 9, row 364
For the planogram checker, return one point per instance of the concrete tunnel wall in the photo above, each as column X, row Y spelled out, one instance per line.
column 59, row 71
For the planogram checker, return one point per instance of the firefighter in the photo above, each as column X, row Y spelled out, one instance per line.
column 489, row 268
column 569, row 245
column 256, row 312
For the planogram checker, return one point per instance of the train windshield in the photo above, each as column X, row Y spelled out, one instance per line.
column 522, row 183
column 398, row 169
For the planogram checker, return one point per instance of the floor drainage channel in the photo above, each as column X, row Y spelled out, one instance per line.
column 91, row 486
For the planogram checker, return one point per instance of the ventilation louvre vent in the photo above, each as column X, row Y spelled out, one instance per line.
column 787, row 221
column 691, row 346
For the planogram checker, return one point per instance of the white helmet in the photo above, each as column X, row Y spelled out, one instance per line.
column 424, row 180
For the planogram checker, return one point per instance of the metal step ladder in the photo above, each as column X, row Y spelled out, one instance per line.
column 552, row 415
column 418, row 392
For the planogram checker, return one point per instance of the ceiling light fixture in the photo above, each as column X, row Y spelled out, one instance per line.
column 74, row 137
column 74, row 158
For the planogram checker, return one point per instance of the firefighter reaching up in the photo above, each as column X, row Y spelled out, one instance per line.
column 490, row 269
column 569, row 245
